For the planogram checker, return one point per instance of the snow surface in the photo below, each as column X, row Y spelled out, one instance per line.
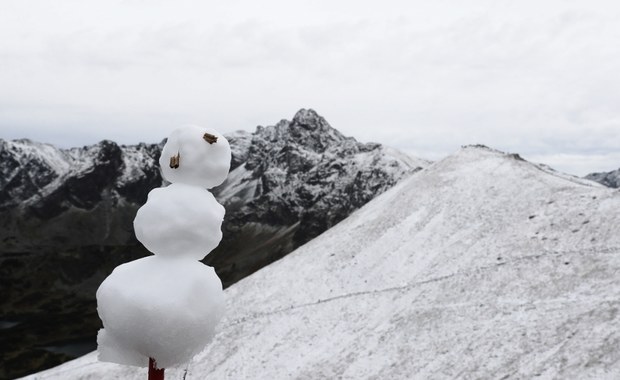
column 201, row 163
column 480, row 266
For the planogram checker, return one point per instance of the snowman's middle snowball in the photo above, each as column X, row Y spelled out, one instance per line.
column 180, row 220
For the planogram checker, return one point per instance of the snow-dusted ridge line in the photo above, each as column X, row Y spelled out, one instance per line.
column 582, row 181
column 34, row 171
column 541, row 166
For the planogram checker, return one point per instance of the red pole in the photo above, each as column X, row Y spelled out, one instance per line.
column 154, row 372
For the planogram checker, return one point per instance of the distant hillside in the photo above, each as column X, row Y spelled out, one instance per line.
column 482, row 266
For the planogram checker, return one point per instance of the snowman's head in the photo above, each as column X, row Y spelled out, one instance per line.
column 195, row 156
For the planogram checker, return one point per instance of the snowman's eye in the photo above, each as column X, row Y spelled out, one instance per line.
column 209, row 138
column 175, row 161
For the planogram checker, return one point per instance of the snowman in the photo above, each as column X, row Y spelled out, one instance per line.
column 163, row 308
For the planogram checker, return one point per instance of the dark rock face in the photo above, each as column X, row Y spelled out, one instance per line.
column 67, row 218
column 609, row 179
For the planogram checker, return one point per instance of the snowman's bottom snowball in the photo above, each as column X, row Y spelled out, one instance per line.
column 158, row 307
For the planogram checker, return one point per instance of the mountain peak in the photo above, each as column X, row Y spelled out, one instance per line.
column 311, row 129
column 309, row 118
column 307, row 133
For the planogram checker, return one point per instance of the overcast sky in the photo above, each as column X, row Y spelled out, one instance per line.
column 540, row 78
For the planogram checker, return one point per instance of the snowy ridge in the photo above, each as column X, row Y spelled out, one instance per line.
column 34, row 171
column 480, row 266
column 543, row 167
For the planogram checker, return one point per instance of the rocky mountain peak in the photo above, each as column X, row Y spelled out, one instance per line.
column 308, row 118
column 304, row 176
column 306, row 133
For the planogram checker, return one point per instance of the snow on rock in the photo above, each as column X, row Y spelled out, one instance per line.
column 49, row 180
column 27, row 167
column 202, row 157
column 180, row 220
column 482, row 266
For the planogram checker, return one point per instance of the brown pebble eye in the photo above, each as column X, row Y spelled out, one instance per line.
column 209, row 138
column 175, row 161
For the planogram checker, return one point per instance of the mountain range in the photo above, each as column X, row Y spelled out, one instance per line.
column 67, row 220
column 480, row 266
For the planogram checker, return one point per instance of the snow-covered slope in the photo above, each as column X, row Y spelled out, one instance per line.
column 481, row 266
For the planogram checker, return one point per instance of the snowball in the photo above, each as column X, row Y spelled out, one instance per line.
column 180, row 220
column 201, row 161
column 158, row 307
